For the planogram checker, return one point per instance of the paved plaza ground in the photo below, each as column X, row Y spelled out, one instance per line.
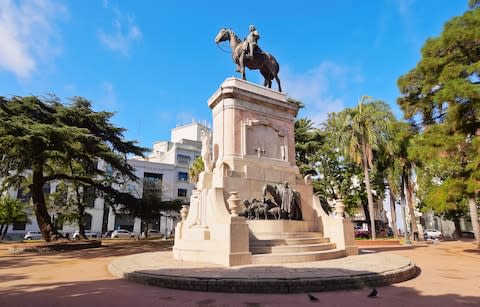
column 450, row 277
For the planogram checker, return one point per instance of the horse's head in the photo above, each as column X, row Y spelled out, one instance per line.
column 223, row 35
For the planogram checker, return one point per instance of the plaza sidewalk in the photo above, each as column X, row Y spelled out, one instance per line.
column 450, row 277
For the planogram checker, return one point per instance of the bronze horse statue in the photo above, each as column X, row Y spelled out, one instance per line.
column 265, row 62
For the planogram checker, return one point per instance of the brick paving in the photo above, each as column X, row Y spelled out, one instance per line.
column 450, row 276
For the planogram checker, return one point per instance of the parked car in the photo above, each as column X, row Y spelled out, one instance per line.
column 152, row 233
column 108, row 234
column 468, row 234
column 122, row 233
column 33, row 235
column 432, row 234
column 361, row 233
column 89, row 234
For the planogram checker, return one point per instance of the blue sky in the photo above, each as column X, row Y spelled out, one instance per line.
column 155, row 63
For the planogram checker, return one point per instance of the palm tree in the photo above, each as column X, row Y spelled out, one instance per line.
column 360, row 132
column 402, row 166
column 195, row 170
column 308, row 141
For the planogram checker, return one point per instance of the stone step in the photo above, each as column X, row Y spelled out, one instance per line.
column 298, row 257
column 284, row 235
column 264, row 249
column 289, row 241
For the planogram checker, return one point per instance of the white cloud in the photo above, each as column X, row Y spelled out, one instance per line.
column 69, row 88
column 403, row 6
column 320, row 88
column 109, row 98
column 184, row 118
column 124, row 33
column 28, row 34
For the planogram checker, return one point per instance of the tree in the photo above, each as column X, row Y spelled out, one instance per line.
column 40, row 137
column 441, row 173
column 473, row 4
column 148, row 204
column 195, row 170
column 359, row 132
column 12, row 211
column 444, row 90
column 399, row 166
column 71, row 199
column 307, row 142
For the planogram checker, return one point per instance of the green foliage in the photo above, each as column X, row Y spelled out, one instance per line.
column 363, row 130
column 473, row 3
column 297, row 102
column 360, row 134
column 443, row 176
column 308, row 141
column 444, row 84
column 335, row 176
column 69, row 202
column 150, row 204
column 12, row 211
column 41, row 138
column 195, row 170
column 444, row 91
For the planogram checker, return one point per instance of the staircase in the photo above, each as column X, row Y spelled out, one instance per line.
column 285, row 247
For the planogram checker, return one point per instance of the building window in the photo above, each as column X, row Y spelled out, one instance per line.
column 17, row 226
column 87, row 221
column 184, row 159
column 182, row 176
column 46, row 188
column 89, row 196
column 152, row 183
column 22, row 196
column 182, row 193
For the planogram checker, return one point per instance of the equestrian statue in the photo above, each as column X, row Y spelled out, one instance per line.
column 247, row 53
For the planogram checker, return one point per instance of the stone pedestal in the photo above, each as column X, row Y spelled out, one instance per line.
column 253, row 144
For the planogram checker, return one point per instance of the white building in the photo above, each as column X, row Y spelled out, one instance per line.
column 168, row 163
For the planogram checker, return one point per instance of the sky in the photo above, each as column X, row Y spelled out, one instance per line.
column 155, row 63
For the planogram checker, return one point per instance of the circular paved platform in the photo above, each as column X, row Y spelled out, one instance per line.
column 160, row 269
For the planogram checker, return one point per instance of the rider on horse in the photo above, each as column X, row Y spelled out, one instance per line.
column 250, row 42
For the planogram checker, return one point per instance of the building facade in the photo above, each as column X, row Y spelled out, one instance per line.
column 167, row 165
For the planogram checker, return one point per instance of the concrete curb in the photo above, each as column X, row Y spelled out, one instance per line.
column 54, row 246
column 277, row 285
column 216, row 279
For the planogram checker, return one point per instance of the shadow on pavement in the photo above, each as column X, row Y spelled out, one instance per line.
column 121, row 293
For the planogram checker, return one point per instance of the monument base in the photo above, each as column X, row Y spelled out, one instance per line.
column 253, row 155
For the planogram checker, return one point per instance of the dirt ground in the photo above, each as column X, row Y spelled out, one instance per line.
column 450, row 276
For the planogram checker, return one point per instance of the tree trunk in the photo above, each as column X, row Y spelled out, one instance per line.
column 369, row 195
column 411, row 207
column 145, row 229
column 393, row 213
column 81, row 213
column 1, row 227
column 49, row 231
column 474, row 217
column 4, row 233
column 458, row 228
column 81, row 220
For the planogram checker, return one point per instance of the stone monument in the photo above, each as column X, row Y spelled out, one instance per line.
column 250, row 160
